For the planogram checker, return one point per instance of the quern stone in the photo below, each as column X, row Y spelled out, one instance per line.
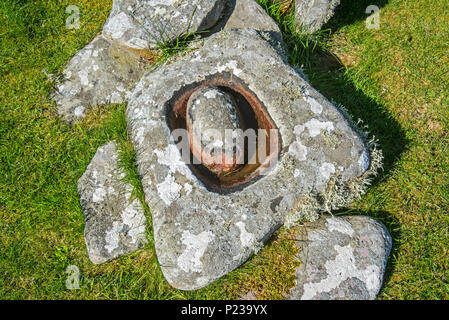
column 204, row 230
column 115, row 222
column 311, row 15
column 342, row 259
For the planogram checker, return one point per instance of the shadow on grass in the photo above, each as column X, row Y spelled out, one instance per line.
column 327, row 74
column 350, row 11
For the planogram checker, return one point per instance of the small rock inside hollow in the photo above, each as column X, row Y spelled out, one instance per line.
column 215, row 128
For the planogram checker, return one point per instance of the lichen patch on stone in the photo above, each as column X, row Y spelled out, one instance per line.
column 341, row 269
column 169, row 190
column 196, row 245
column 247, row 239
column 341, row 258
column 339, row 225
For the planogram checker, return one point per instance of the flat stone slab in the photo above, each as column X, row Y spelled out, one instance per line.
column 342, row 259
column 146, row 23
column 311, row 15
column 115, row 222
column 101, row 73
column 200, row 235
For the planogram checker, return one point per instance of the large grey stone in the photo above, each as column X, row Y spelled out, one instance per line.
column 101, row 73
column 201, row 234
column 311, row 15
column 146, row 23
column 115, row 222
column 342, row 258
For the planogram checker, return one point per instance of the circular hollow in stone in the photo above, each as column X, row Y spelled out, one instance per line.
column 254, row 116
column 215, row 129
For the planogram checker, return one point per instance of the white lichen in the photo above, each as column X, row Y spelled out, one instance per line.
column 133, row 221
column 112, row 237
column 232, row 66
column 196, row 245
column 118, row 25
column 342, row 268
column 188, row 188
column 315, row 127
column 171, row 158
column 315, row 106
column 326, row 170
column 169, row 190
column 247, row 239
column 211, row 94
column 134, row 218
column 84, row 77
column 79, row 112
column 297, row 149
column 98, row 195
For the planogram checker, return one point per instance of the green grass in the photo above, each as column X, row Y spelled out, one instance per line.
column 301, row 47
column 396, row 79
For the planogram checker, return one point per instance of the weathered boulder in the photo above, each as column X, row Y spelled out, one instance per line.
column 342, row 258
column 311, row 15
column 147, row 23
column 203, row 231
column 115, row 222
column 101, row 73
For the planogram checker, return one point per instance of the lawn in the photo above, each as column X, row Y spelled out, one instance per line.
column 395, row 79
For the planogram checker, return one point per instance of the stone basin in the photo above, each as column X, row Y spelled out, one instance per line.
column 202, row 232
